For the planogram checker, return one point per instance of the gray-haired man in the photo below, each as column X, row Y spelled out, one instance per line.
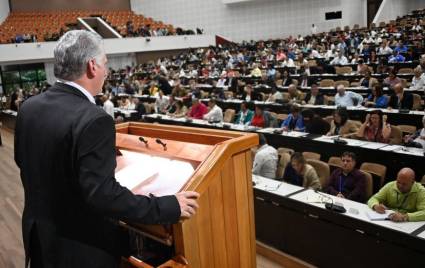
column 65, row 148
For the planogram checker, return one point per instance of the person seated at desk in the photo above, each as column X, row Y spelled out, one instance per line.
column 250, row 95
column 340, row 124
column 286, row 78
column 400, row 99
column 340, row 59
column 180, row 111
column 347, row 181
column 294, row 121
column 295, row 96
column 305, row 81
column 418, row 80
column 416, row 139
column 314, row 97
column 298, row 172
column 265, row 159
column 275, row 95
column 396, row 57
column 256, row 72
column 263, row 118
column 198, row 109
column 347, row 98
column 314, row 124
column 392, row 79
column 376, row 98
column 125, row 103
column 368, row 81
column 375, row 128
column 161, row 103
column 244, row 115
column 405, row 196
column 139, row 107
column 215, row 113
column 108, row 106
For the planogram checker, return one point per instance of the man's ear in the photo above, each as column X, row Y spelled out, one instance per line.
column 91, row 68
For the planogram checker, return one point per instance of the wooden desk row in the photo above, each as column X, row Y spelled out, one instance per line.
column 293, row 219
column 394, row 157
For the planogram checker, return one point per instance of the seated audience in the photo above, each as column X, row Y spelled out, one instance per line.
column 258, row 120
column 392, row 79
column 265, row 160
column 375, row 128
column 418, row 80
column 108, row 106
column 340, row 125
column 348, row 182
column 161, row 103
column 314, row 124
column 405, row 196
column 304, row 81
column 180, row 111
column 368, row 81
column 286, row 79
column 215, row 113
column 400, row 99
column 295, row 96
column 275, row 96
column 294, row 121
column 298, row 172
column 244, row 115
column 396, row 57
column 198, row 109
column 314, row 97
column 250, row 94
column 139, row 107
column 340, row 59
column 347, row 98
column 416, row 139
column 377, row 98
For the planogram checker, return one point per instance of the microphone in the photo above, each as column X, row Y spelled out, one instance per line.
column 330, row 205
column 144, row 141
column 164, row 145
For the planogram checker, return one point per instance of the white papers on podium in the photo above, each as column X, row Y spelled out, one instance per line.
column 375, row 216
column 153, row 174
column 133, row 175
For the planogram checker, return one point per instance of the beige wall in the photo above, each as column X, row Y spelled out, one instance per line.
column 31, row 5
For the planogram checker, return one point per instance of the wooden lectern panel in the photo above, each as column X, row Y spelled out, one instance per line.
column 222, row 233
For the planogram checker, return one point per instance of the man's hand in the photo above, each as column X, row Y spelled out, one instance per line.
column 398, row 217
column 188, row 204
column 380, row 208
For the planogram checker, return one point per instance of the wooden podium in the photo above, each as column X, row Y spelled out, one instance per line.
column 222, row 233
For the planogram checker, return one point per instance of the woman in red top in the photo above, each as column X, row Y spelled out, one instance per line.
column 375, row 128
column 258, row 119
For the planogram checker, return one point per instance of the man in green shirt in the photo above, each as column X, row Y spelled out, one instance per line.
column 405, row 196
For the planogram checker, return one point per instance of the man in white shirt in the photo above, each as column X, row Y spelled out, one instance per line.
column 108, row 106
column 215, row 113
column 161, row 103
column 418, row 80
column 340, row 59
column 265, row 160
column 347, row 98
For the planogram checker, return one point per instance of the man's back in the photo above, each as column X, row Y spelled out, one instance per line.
column 65, row 148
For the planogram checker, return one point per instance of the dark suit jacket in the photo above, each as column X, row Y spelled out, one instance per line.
column 406, row 103
column 65, row 148
column 319, row 99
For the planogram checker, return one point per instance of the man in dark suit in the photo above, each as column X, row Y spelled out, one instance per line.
column 65, row 149
column 400, row 99
column 314, row 97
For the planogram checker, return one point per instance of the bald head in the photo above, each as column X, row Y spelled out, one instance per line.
column 405, row 180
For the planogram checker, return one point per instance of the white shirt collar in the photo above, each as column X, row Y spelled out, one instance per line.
column 80, row 88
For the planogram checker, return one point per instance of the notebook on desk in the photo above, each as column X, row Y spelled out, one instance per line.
column 375, row 216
